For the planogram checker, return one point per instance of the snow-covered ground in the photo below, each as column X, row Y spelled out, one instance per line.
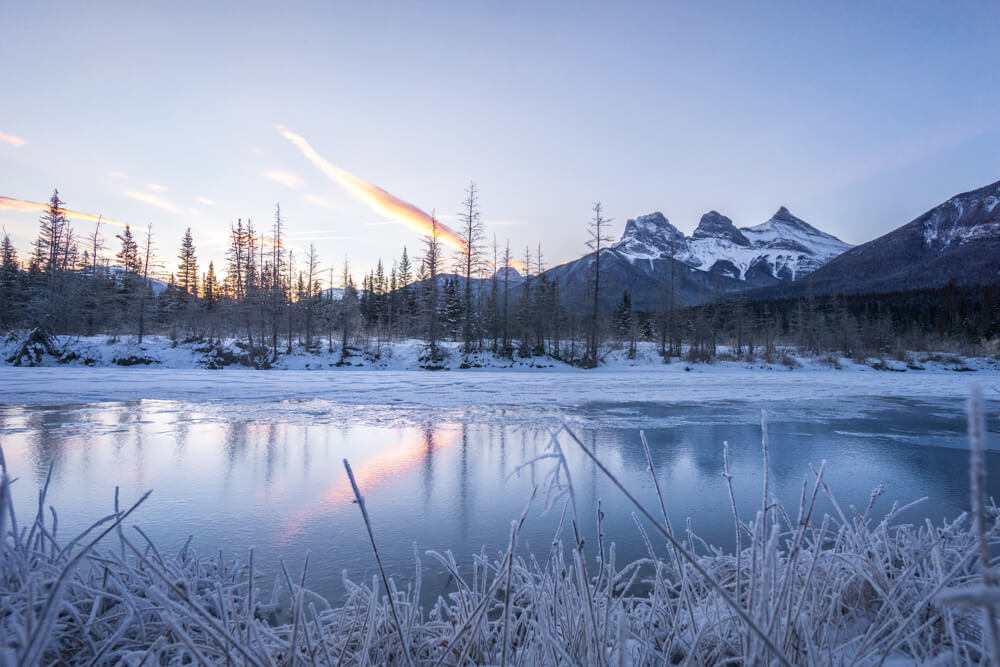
column 520, row 385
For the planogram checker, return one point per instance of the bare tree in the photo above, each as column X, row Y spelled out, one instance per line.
column 471, row 234
column 507, row 258
column 277, row 294
column 146, row 287
column 312, row 267
column 597, row 241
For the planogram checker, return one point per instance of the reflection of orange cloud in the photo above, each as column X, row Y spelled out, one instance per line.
column 373, row 195
column 373, row 473
column 23, row 205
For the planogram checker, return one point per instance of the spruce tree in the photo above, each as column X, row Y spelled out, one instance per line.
column 432, row 267
column 10, row 295
column 53, row 235
column 128, row 257
column 187, row 270
column 210, row 288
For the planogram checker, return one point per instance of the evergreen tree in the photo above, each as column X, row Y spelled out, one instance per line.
column 432, row 267
column 452, row 314
column 10, row 288
column 187, row 270
column 53, row 237
column 210, row 288
column 408, row 305
column 623, row 315
column 128, row 255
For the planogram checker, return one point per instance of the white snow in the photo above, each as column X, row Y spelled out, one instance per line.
column 783, row 245
column 396, row 379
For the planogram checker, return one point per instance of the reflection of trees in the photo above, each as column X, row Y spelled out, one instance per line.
column 503, row 447
column 135, row 414
column 48, row 446
column 464, row 511
column 233, row 448
column 235, row 445
column 306, row 452
column 428, row 467
column 181, row 431
column 270, row 453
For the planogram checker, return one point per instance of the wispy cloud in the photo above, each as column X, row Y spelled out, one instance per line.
column 506, row 223
column 152, row 200
column 25, row 205
column 204, row 200
column 377, row 198
column 318, row 201
column 156, row 188
column 11, row 139
column 283, row 177
column 117, row 174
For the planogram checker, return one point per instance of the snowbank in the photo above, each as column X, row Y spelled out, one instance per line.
column 94, row 370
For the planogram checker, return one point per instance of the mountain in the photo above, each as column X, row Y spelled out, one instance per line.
column 646, row 279
column 782, row 248
column 958, row 240
column 717, row 258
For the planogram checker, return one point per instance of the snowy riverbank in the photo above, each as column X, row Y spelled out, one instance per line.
column 561, row 386
column 161, row 352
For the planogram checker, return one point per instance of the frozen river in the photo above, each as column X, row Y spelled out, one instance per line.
column 265, row 469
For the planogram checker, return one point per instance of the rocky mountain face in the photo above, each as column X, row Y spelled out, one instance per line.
column 780, row 249
column 717, row 258
column 958, row 241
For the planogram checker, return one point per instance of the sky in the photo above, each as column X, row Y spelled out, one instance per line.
column 857, row 116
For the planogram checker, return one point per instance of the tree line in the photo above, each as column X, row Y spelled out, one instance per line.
column 272, row 301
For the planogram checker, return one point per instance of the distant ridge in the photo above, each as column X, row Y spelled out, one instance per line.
column 956, row 241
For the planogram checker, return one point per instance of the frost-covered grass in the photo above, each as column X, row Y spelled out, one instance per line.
column 799, row 589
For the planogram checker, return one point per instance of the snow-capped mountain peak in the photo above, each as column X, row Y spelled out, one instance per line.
column 782, row 248
column 715, row 225
column 650, row 236
column 962, row 218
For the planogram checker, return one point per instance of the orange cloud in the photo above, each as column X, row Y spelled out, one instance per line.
column 371, row 194
column 152, row 200
column 283, row 177
column 317, row 200
column 24, row 205
column 11, row 139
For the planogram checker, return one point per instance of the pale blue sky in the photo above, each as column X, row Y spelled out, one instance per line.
column 858, row 116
